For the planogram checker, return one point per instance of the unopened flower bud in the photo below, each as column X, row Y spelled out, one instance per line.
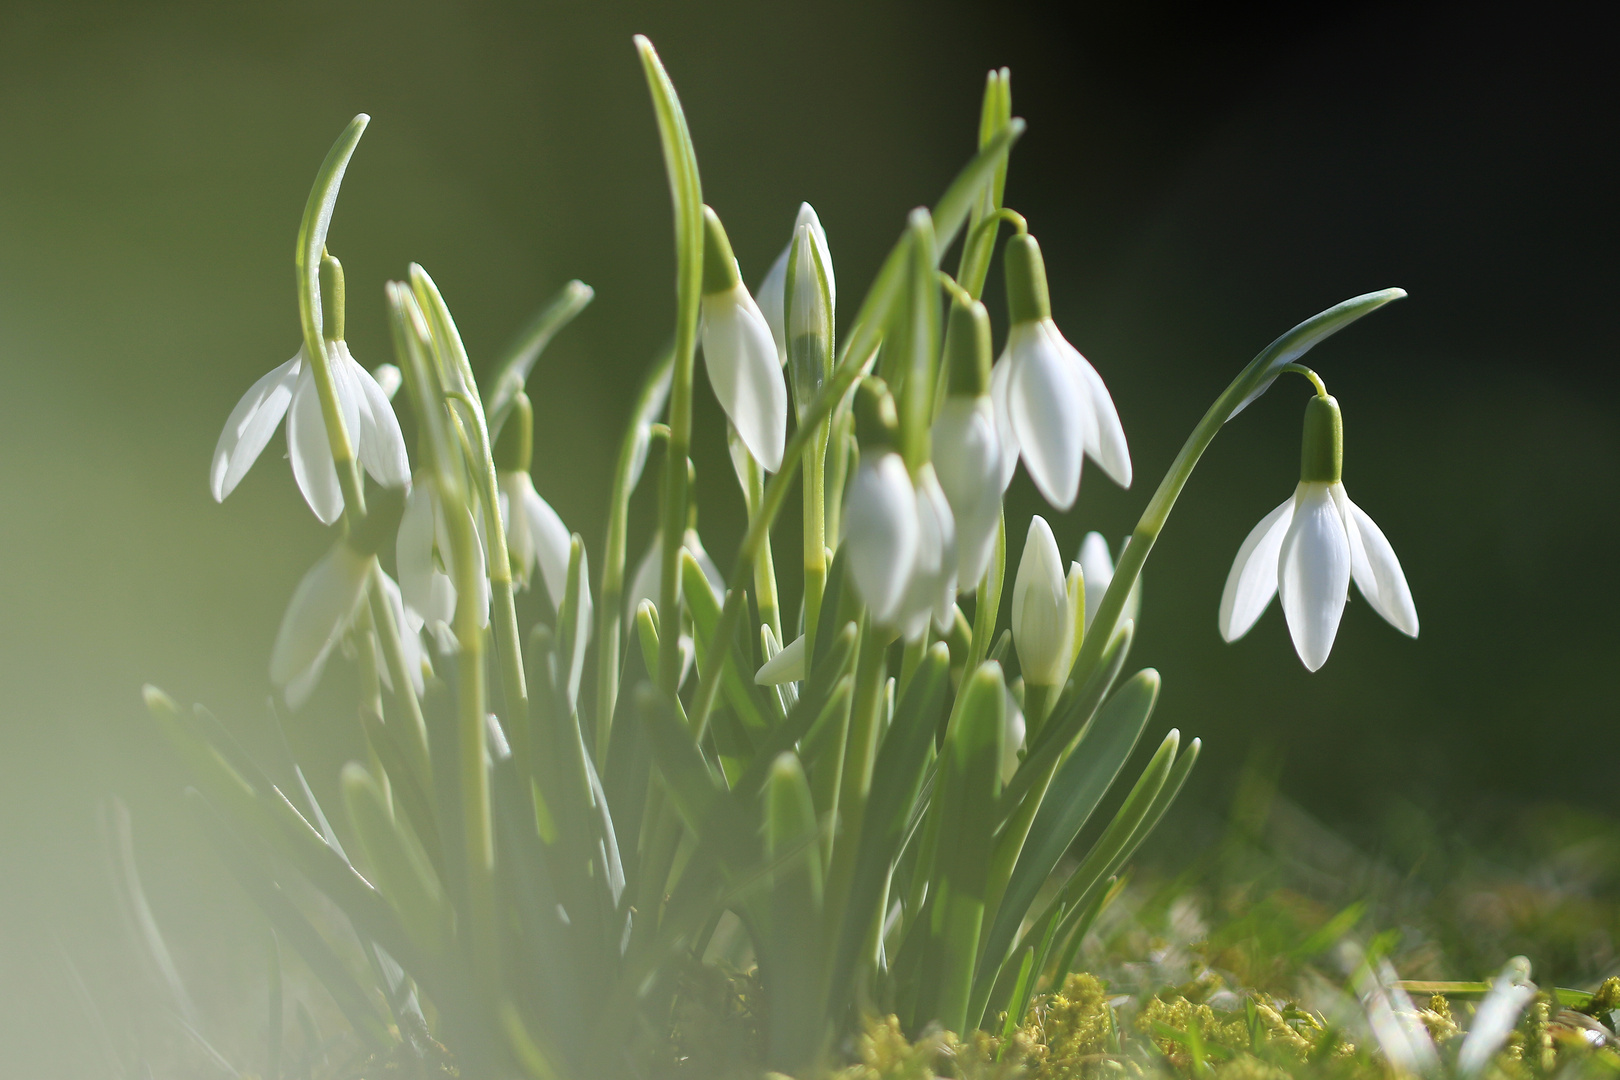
column 1042, row 623
column 771, row 295
column 880, row 511
column 809, row 317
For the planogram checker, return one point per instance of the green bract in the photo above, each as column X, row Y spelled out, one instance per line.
column 871, row 811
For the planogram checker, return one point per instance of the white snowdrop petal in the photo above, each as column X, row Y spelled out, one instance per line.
column 310, row 453
column 389, row 379
column 320, row 610
column 551, row 542
column 880, row 533
column 426, row 590
column 1112, row 452
column 509, row 488
column 967, row 462
column 1001, row 407
column 788, row 665
column 249, row 427
column 740, row 357
column 1050, row 414
column 382, row 444
column 1378, row 572
column 406, row 627
column 807, row 216
column 1097, row 567
column 1252, row 581
column 1313, row 573
column 772, row 297
column 932, row 590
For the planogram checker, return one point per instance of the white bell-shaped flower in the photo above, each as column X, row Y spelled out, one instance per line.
column 739, row 353
column 535, row 535
column 1053, row 405
column 1097, row 566
column 930, row 595
column 772, row 290
column 290, row 391
column 1042, row 621
column 423, row 555
column 323, row 608
column 1310, row 548
column 967, row 450
column 880, row 522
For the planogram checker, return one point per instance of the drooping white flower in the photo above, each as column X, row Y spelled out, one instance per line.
column 880, row 523
column 1042, row 620
column 1310, row 548
column 534, row 532
column 322, row 609
column 739, row 353
column 290, row 391
column 1097, row 565
column 1052, row 405
column 424, row 557
column 966, row 448
column 930, row 595
column 772, row 290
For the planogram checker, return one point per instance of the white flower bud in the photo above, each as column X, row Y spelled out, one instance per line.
column 772, row 301
column 967, row 461
column 1042, row 623
column 881, row 532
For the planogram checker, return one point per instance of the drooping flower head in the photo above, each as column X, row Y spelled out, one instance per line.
column 1052, row 407
column 291, row 391
column 880, row 510
column 966, row 448
column 739, row 353
column 535, row 535
column 1310, row 548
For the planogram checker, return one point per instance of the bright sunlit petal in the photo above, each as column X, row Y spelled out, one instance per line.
column 250, row 425
column 1252, row 581
column 1313, row 573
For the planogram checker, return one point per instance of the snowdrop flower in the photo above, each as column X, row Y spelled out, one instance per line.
column 880, row 525
column 290, row 391
column 1042, row 620
column 739, row 353
column 534, row 532
column 967, row 450
column 1310, row 548
column 1097, row 566
column 422, row 554
column 1052, row 406
column 809, row 316
column 323, row 608
column 773, row 290
column 931, row 593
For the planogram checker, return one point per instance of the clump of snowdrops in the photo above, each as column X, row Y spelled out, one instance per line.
column 868, row 794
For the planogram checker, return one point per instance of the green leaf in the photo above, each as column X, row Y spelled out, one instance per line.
column 357, row 1006
column 397, row 862
column 741, row 693
column 1264, row 369
column 1075, row 791
column 969, row 788
column 902, row 759
column 512, row 370
column 791, row 951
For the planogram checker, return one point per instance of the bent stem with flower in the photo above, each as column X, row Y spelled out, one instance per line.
column 864, row 792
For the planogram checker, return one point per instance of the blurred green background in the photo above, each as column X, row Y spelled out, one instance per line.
column 1200, row 180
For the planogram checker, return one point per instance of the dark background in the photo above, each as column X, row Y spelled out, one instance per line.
column 1201, row 178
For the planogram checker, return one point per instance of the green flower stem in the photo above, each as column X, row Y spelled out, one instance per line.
column 610, row 614
column 815, row 533
column 371, row 699
column 765, row 593
column 686, row 193
column 307, row 261
column 404, row 685
column 1252, row 381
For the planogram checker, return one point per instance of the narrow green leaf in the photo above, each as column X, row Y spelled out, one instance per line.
column 1075, row 791
column 791, row 951
column 397, row 862
column 1264, row 368
column 741, row 693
